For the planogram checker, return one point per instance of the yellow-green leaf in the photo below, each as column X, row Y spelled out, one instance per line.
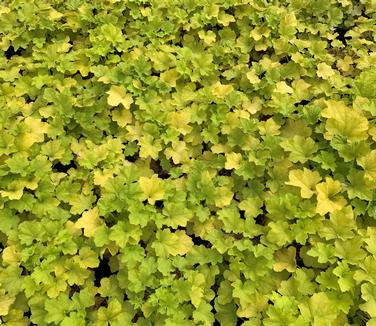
column 306, row 180
column 117, row 95
column 152, row 188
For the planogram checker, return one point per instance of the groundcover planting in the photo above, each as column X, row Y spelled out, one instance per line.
column 187, row 162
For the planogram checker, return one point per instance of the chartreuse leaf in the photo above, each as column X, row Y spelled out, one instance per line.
column 117, row 95
column 152, row 188
column 285, row 260
column 344, row 121
column 368, row 163
column 319, row 310
column 300, row 148
column 171, row 243
column 89, row 222
column 369, row 296
column 5, row 302
column 306, row 180
column 187, row 163
column 328, row 196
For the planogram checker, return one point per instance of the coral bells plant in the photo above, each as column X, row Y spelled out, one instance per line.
column 191, row 162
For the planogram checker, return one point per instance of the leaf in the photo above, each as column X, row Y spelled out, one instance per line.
column 344, row 121
column 11, row 255
column 171, row 243
column 285, row 260
column 170, row 77
column 368, row 163
column 369, row 296
column 223, row 196
column 283, row 88
column 5, row 302
column 123, row 117
column 117, row 95
column 306, row 180
column 203, row 314
column 324, row 71
column 152, row 188
column 328, row 198
column 219, row 90
column 89, row 222
column 232, row 160
column 359, row 187
column 301, row 148
column 320, row 309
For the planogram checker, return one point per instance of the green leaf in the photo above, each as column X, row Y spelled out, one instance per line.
column 300, row 148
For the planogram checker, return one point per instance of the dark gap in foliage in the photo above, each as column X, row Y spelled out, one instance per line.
column 145, row 202
column 117, row 52
column 242, row 214
column 364, row 14
column 237, row 236
column 285, row 59
column 341, row 31
column 302, row 102
column 97, row 192
column 212, row 303
column 256, row 240
column 138, row 315
column 265, row 117
column 24, row 271
column 205, row 147
column 99, row 302
column 155, row 165
column 155, row 73
column 216, row 323
column 111, row 220
column 240, row 321
column 215, row 286
column 74, row 289
column 29, row 191
column 43, row 119
column 60, row 167
column 262, row 75
column 94, row 11
column 133, row 158
column 142, row 244
column 88, row 76
column 159, row 204
column 271, row 302
column 224, row 172
column 174, row 165
column 103, row 270
column 1, row 245
column 177, row 273
column 298, row 259
column 234, row 198
column 261, row 219
column 27, row 314
column 78, row 74
column 199, row 241
column 10, row 52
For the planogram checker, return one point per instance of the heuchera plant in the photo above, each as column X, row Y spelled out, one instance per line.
column 191, row 162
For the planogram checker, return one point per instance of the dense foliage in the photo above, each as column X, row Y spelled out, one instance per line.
column 188, row 162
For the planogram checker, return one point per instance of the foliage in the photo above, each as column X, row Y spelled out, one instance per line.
column 187, row 162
